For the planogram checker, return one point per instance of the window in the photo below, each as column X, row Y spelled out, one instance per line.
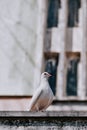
column 68, row 78
column 72, row 74
column 51, row 63
column 73, row 12
column 53, row 7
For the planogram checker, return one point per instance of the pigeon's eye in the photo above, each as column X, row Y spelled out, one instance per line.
column 44, row 73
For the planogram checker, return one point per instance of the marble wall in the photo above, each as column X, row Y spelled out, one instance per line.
column 18, row 35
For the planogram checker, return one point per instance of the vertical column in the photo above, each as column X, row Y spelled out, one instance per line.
column 82, row 91
column 61, row 81
column 41, row 26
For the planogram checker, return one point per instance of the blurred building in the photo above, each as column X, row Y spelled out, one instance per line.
column 37, row 36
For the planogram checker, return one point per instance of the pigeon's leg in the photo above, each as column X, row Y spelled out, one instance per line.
column 42, row 110
column 37, row 108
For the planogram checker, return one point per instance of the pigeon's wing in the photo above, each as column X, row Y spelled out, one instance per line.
column 35, row 98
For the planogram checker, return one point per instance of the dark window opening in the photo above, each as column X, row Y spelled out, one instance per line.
column 53, row 7
column 72, row 74
column 73, row 12
column 51, row 67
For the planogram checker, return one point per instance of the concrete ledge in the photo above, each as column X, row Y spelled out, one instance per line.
column 43, row 114
column 49, row 120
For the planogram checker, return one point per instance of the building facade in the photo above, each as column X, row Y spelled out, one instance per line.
column 49, row 35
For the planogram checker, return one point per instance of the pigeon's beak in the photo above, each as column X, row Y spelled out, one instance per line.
column 49, row 75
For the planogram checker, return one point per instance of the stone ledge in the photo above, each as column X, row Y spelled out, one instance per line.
column 48, row 120
column 43, row 114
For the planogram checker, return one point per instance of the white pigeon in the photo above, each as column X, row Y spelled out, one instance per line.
column 43, row 96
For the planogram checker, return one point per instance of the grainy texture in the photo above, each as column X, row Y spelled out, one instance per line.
column 43, row 121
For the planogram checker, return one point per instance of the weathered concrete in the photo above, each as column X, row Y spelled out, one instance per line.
column 43, row 120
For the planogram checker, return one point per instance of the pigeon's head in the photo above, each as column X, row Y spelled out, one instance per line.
column 45, row 75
